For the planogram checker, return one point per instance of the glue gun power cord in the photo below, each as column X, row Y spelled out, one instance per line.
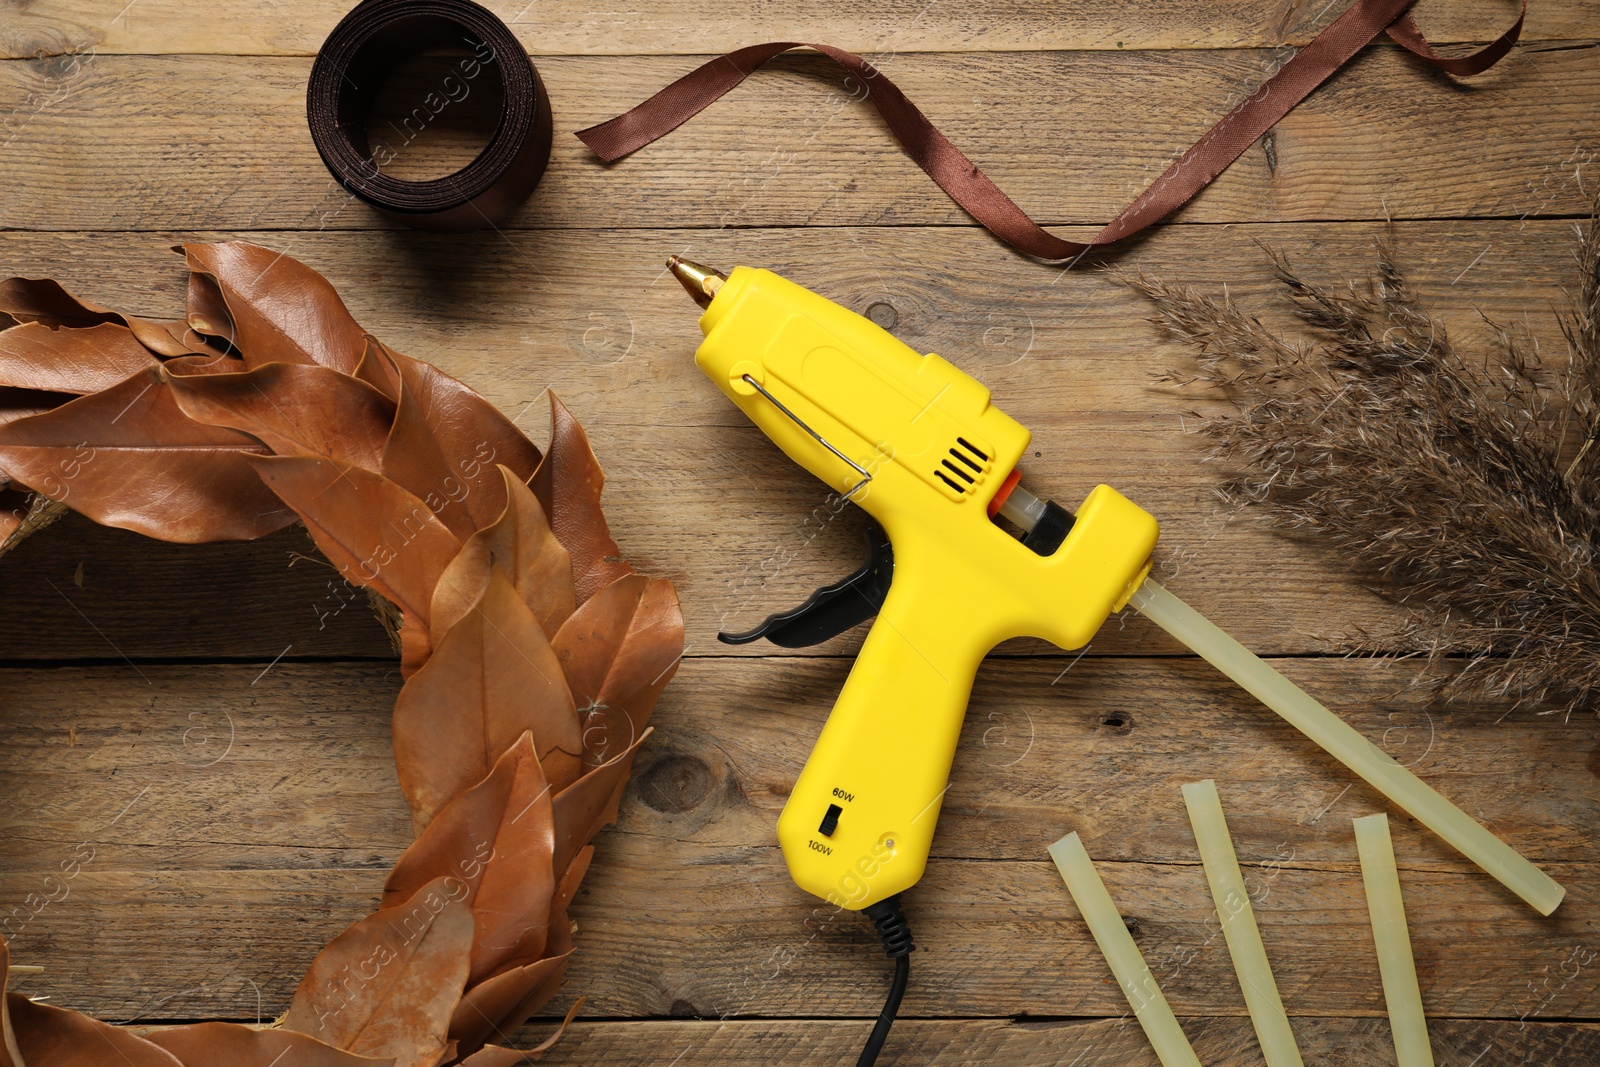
column 896, row 935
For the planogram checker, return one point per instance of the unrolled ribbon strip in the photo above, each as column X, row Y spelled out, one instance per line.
column 970, row 188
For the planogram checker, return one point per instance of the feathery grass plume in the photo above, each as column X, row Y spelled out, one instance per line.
column 1460, row 483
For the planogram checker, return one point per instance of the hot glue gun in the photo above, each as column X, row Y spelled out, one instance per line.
column 916, row 443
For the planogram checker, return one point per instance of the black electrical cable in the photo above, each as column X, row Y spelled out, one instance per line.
column 896, row 936
column 880, row 1030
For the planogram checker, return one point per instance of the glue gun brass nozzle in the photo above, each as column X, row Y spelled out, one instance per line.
column 702, row 282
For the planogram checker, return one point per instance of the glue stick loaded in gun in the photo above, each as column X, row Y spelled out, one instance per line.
column 916, row 443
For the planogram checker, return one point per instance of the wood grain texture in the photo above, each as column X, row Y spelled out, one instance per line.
column 297, row 27
column 994, row 939
column 1071, row 136
column 589, row 315
column 258, row 812
column 180, row 838
column 1050, row 1043
column 1050, row 745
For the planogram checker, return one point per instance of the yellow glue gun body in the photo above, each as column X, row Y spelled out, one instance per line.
column 915, row 442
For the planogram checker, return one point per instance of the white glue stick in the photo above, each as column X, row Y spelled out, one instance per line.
column 1347, row 745
column 1238, row 920
column 1395, row 963
column 1116, row 945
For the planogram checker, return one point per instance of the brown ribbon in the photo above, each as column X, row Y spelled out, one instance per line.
column 366, row 46
column 981, row 198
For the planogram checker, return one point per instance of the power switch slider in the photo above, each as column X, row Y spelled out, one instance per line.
column 830, row 821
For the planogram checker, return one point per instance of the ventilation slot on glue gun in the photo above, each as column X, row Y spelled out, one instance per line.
column 967, row 463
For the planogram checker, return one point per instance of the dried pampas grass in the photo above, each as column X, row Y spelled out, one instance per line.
column 1461, row 483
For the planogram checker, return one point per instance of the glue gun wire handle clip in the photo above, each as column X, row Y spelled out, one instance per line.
column 866, row 475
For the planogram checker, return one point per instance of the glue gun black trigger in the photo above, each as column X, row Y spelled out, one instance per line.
column 833, row 609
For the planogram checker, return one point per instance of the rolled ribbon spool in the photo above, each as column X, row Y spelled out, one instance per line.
column 365, row 47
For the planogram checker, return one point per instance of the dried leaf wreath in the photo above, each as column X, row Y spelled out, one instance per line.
column 1460, row 483
column 532, row 653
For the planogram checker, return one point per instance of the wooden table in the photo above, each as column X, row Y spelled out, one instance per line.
column 206, row 727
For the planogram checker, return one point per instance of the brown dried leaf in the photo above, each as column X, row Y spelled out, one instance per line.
column 499, row 1056
column 415, row 645
column 375, row 532
column 503, row 1003
column 558, row 939
column 193, row 343
column 129, row 457
column 568, row 485
column 497, row 838
column 282, row 310
column 295, row 409
column 197, row 363
column 377, row 368
column 618, row 652
column 233, row 1045
column 10, row 1055
column 34, row 356
column 413, row 457
column 522, row 545
column 387, row 986
column 56, row 1037
column 470, row 430
column 491, row 677
column 589, row 804
column 43, row 300
column 205, row 311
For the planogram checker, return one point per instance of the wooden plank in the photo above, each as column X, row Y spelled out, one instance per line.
column 1050, row 745
column 266, row 853
column 165, row 142
column 593, row 314
column 88, row 592
column 733, row 939
column 1052, row 1043
column 297, row 27
column 696, row 494
column 1101, row 746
